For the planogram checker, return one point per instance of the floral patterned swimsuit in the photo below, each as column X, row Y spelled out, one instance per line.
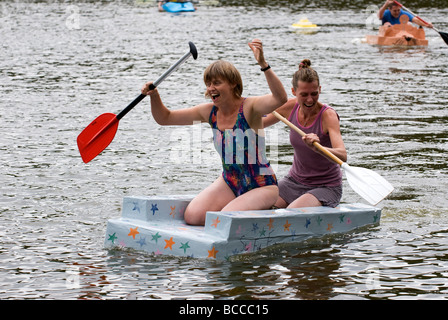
column 242, row 151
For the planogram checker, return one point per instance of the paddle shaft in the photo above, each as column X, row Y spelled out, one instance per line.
column 316, row 144
column 153, row 85
column 406, row 9
column 101, row 131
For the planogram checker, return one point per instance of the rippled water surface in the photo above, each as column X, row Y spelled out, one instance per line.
column 64, row 63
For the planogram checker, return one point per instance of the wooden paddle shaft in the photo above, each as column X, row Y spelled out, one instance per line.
column 316, row 144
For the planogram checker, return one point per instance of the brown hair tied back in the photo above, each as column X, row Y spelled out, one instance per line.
column 305, row 74
column 306, row 63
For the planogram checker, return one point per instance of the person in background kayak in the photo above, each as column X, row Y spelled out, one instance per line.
column 313, row 180
column 161, row 3
column 248, row 182
column 390, row 14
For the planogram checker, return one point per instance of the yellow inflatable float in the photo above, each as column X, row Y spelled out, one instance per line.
column 305, row 26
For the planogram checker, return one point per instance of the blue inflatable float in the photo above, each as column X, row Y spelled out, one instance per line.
column 156, row 225
column 178, row 7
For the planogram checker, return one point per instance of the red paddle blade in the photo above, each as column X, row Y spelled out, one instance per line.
column 97, row 136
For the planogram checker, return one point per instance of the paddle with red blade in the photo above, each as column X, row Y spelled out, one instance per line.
column 101, row 131
column 442, row 34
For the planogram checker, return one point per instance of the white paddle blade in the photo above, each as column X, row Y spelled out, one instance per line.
column 367, row 183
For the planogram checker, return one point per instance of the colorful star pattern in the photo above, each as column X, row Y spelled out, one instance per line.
column 212, row 253
column 156, row 237
column 255, row 227
column 142, row 241
column 215, row 222
column 133, row 233
column 169, row 243
column 173, row 212
column 286, row 226
column 376, row 218
column 252, row 234
column 185, row 246
column 307, row 223
column 112, row 237
column 271, row 224
column 239, row 230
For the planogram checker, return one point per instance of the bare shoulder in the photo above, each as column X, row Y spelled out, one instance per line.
column 330, row 114
column 330, row 120
column 203, row 110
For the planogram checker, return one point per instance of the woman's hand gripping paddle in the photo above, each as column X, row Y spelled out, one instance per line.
column 101, row 131
column 368, row 184
column 442, row 34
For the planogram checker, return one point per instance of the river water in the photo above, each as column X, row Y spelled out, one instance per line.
column 64, row 63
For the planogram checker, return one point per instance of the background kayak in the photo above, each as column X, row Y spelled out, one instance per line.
column 178, row 7
column 61, row 68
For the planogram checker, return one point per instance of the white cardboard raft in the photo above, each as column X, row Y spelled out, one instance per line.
column 156, row 225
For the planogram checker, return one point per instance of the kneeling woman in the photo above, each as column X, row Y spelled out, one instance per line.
column 313, row 180
column 247, row 183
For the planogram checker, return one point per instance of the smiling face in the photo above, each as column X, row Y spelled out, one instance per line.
column 218, row 89
column 395, row 11
column 307, row 93
column 221, row 76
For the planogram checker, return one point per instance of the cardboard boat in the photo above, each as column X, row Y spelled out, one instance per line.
column 403, row 34
column 156, row 225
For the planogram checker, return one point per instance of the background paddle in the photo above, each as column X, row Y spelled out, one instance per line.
column 367, row 183
column 101, row 131
column 442, row 34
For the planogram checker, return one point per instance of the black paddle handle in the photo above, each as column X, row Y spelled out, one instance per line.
column 130, row 106
column 193, row 52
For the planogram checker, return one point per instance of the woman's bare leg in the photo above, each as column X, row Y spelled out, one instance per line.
column 306, row 200
column 256, row 199
column 213, row 198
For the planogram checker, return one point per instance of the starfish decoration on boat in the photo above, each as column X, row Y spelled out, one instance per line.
column 154, row 208
column 212, row 253
column 239, row 230
column 215, row 222
column 136, row 207
column 173, row 213
column 271, row 223
column 255, row 227
column 185, row 246
column 169, row 243
column 307, row 223
column 286, row 226
column 112, row 237
column 133, row 232
column 142, row 241
column 156, row 237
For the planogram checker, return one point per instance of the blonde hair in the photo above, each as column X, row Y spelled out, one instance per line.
column 305, row 74
column 226, row 71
